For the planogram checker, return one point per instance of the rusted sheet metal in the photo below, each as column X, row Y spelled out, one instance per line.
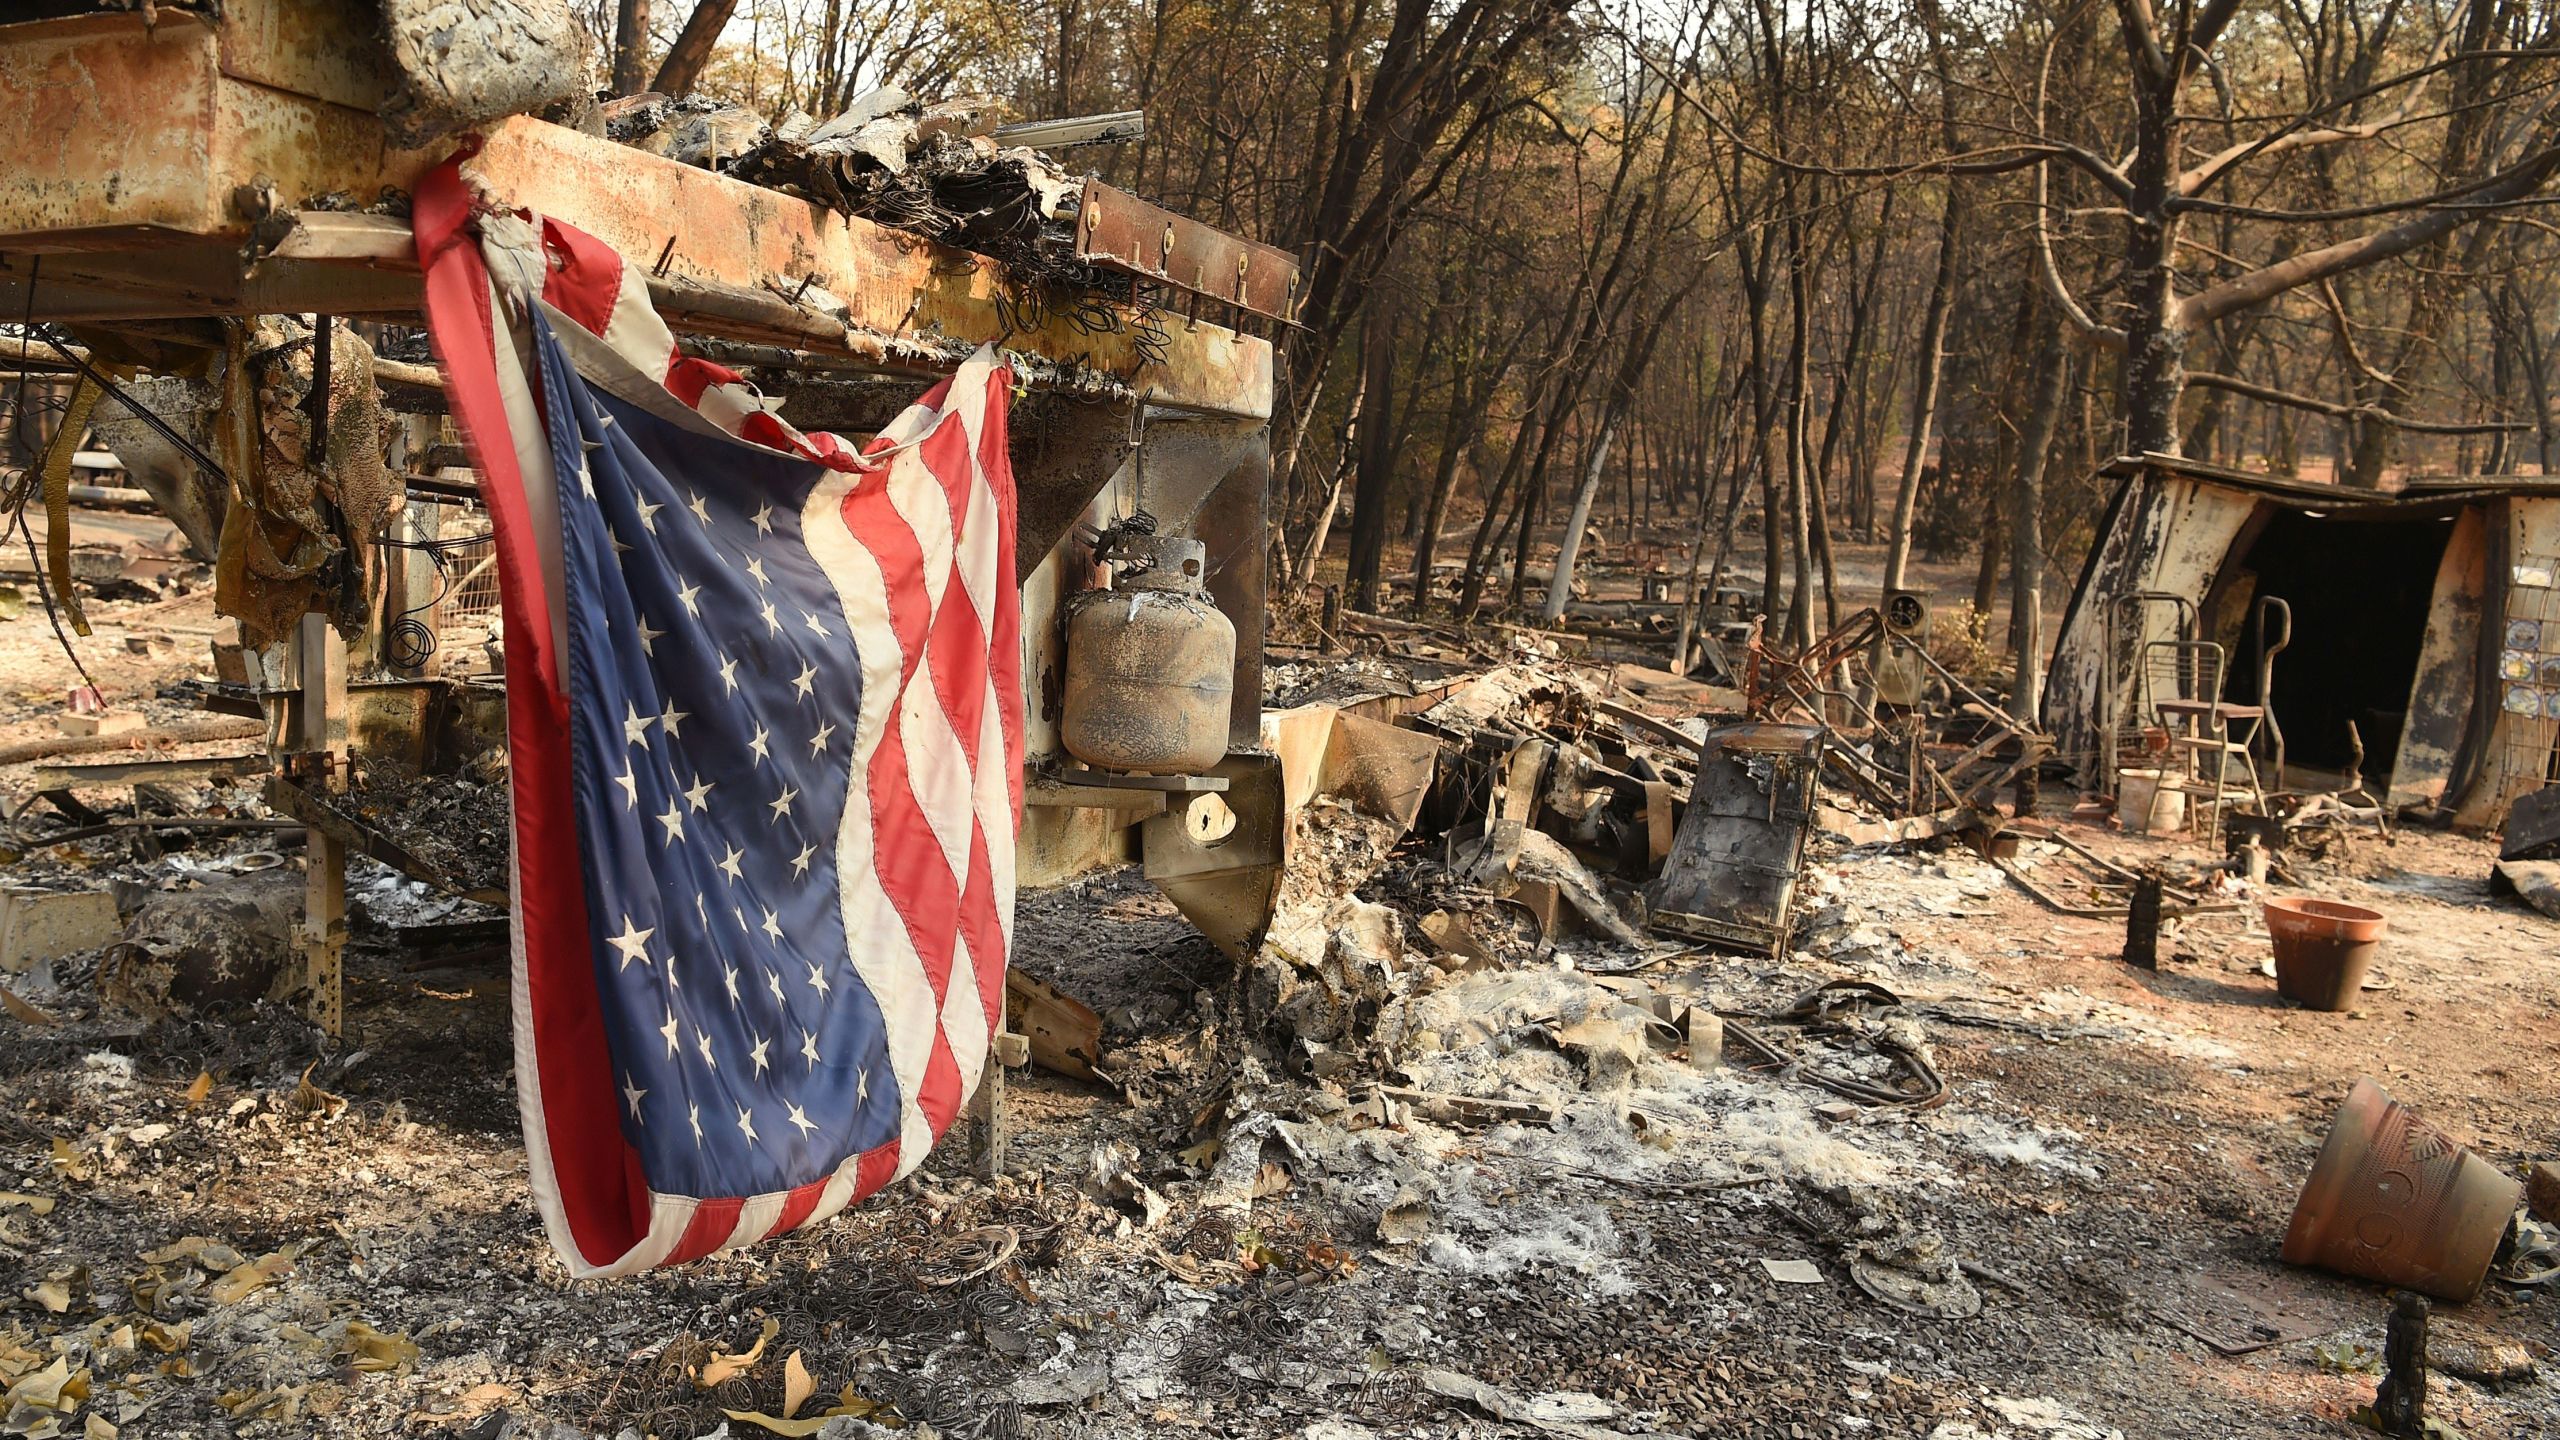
column 2447, row 684
column 1117, row 229
column 2172, row 533
column 733, row 235
column 121, row 131
column 123, row 136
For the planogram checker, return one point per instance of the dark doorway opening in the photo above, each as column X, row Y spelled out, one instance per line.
column 2360, row 589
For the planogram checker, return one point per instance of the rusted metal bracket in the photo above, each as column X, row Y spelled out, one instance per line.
column 1119, row 231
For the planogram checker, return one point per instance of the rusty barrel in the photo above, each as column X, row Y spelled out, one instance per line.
column 2394, row 1199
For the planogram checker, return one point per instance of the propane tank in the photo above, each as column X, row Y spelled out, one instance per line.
column 1150, row 664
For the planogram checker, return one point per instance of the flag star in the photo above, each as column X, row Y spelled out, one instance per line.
column 649, row 639
column 816, row 626
column 672, row 717
column 729, row 676
column 632, row 1095
column 698, row 794
column 604, row 421
column 809, row 1049
column 630, row 784
column 763, row 519
column 649, row 516
column 635, row 726
column 805, row 680
column 800, row 1119
column 699, row 911
column 772, row 926
column 772, row 620
column 685, row 598
column 729, row 977
column 586, row 479
column 817, row 979
column 633, row 942
column 800, row 862
column 757, row 1055
column 742, row 918
column 702, row 1042
column 861, row 1086
column 757, row 744
column 700, row 511
column 619, row 548
column 773, row 982
column 818, row 742
column 674, row 821
column 729, row 864
column 747, row 1124
column 693, row 1117
column 668, row 1030
column 755, row 569
column 781, row 806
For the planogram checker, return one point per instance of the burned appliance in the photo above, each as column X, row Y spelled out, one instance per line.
column 1731, row 877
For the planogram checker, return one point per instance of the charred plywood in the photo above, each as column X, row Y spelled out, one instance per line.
column 2448, row 679
column 2172, row 534
column 2518, row 755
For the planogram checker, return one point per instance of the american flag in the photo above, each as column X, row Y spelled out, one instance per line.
column 764, row 723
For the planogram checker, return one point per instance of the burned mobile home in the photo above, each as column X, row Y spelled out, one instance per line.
column 219, row 175
column 1418, row 1026
column 2405, row 640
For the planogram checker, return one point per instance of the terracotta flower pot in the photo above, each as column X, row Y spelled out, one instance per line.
column 2393, row 1199
column 2323, row 949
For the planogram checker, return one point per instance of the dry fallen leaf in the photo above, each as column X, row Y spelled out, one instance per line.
column 55, row 1387
column 209, row 1253
column 310, row 1099
column 202, row 1087
column 797, row 1429
column 40, row 1204
column 241, row 1281
column 99, row 1429
column 721, row 1369
column 375, row 1350
column 848, row 1404
column 1272, row 1179
column 167, row 1339
column 21, row 1010
column 56, row 1292
column 797, row 1387
column 1202, row 1155
column 68, row 1162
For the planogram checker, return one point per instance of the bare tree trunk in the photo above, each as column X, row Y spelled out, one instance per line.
column 692, row 49
column 1376, row 451
column 1924, row 389
column 630, row 45
column 2026, row 522
column 1560, row 584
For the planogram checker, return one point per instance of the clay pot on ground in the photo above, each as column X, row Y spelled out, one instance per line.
column 2394, row 1199
column 2323, row 949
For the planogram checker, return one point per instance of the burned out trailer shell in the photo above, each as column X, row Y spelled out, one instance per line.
column 2180, row 528
column 171, row 172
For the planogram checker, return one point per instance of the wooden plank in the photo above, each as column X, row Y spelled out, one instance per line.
column 125, row 772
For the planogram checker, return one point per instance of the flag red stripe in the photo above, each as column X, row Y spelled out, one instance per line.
column 984, row 931
column 709, row 1229
column 574, row 1069
column 798, row 1207
column 1004, row 639
column 584, row 278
